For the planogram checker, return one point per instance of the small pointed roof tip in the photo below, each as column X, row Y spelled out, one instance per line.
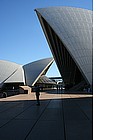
column 36, row 9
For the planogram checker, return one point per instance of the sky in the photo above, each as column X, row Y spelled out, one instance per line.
column 21, row 37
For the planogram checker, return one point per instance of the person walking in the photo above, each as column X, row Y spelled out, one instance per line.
column 37, row 95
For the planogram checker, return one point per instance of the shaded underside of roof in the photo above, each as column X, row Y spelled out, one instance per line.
column 44, row 80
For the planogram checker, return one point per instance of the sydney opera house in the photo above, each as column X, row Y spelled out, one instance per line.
column 69, row 32
column 13, row 75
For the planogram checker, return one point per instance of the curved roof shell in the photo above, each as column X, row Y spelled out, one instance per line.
column 17, row 77
column 28, row 74
column 74, row 27
column 35, row 69
column 10, row 71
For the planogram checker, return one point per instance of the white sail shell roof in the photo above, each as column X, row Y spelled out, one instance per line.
column 8, row 69
column 17, row 77
column 35, row 69
column 75, row 29
column 28, row 74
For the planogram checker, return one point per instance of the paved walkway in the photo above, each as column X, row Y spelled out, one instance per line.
column 59, row 117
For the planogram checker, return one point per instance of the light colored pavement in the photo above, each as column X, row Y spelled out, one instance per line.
column 59, row 117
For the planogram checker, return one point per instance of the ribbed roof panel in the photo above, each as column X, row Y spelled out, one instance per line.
column 75, row 29
column 7, row 69
column 35, row 69
column 17, row 77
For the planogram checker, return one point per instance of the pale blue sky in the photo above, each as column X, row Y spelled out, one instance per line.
column 21, row 37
